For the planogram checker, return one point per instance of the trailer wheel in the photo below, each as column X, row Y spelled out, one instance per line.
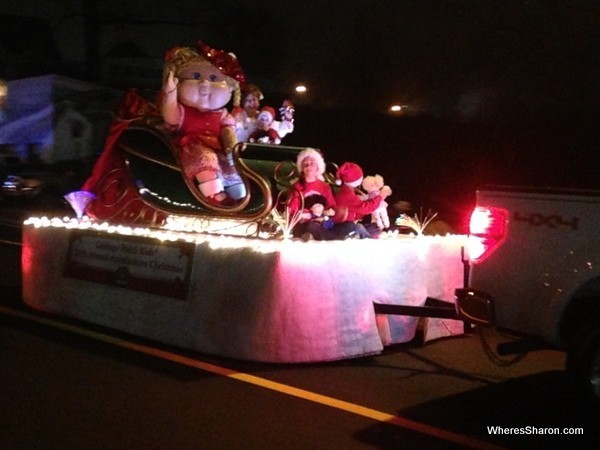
column 583, row 362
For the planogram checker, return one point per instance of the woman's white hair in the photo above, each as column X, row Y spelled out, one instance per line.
column 314, row 154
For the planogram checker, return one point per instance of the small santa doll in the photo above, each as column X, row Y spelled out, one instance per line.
column 264, row 133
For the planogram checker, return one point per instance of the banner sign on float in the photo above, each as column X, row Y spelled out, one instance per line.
column 140, row 264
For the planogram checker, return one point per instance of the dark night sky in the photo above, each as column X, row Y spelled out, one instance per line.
column 502, row 91
column 471, row 58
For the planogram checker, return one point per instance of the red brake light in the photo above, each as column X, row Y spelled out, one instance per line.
column 487, row 229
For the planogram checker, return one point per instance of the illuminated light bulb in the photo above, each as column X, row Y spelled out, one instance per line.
column 295, row 252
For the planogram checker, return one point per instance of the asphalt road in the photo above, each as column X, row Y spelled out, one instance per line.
column 71, row 385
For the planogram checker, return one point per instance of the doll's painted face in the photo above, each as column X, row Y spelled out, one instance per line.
column 317, row 209
column 263, row 121
column 251, row 105
column 202, row 86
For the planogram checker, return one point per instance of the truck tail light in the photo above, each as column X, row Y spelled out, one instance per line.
column 488, row 227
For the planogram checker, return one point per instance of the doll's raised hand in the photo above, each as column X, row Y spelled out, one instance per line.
column 171, row 83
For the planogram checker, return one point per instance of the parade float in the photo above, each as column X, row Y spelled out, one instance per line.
column 199, row 253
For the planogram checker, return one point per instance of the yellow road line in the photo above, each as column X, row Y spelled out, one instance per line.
column 342, row 405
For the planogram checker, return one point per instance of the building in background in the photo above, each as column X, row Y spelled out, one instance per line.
column 52, row 119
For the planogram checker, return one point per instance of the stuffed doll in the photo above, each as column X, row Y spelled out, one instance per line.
column 264, row 133
column 198, row 84
column 318, row 215
column 374, row 186
column 316, row 206
column 286, row 115
column 246, row 116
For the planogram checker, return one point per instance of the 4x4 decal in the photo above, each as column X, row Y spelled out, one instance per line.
column 551, row 221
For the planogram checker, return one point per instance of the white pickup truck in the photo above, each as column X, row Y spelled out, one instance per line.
column 533, row 267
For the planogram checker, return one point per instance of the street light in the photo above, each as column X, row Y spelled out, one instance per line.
column 396, row 109
column 301, row 89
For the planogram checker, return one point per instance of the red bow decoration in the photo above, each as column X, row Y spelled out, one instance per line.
column 227, row 63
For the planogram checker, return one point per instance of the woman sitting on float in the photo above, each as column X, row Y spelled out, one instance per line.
column 311, row 189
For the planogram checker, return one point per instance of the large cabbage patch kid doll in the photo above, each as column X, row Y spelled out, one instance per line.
column 198, row 84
